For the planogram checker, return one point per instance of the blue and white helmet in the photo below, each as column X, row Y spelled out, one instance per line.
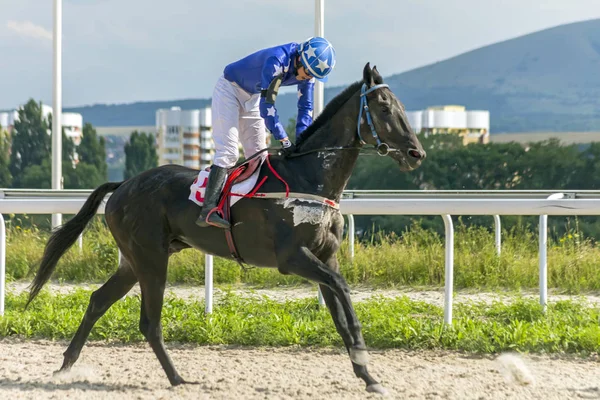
column 317, row 55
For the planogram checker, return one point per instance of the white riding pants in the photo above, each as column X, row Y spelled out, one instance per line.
column 235, row 118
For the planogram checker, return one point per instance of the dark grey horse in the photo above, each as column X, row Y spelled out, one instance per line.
column 151, row 218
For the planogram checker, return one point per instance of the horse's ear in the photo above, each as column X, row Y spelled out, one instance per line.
column 377, row 78
column 368, row 75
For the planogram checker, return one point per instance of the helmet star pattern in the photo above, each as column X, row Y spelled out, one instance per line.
column 317, row 55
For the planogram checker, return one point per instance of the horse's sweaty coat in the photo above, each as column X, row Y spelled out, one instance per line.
column 290, row 222
column 307, row 211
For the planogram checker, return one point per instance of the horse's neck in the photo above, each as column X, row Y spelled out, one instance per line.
column 330, row 170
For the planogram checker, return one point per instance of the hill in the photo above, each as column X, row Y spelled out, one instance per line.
column 544, row 81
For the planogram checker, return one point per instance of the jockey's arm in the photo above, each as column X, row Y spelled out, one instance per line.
column 272, row 75
column 305, row 106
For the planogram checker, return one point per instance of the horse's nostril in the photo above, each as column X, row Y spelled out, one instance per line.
column 416, row 154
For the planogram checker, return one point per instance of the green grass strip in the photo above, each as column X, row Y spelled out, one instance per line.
column 568, row 326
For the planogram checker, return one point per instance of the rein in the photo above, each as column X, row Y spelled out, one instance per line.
column 383, row 149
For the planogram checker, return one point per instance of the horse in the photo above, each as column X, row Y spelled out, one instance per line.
column 151, row 217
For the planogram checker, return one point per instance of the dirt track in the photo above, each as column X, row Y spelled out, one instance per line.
column 107, row 371
column 132, row 372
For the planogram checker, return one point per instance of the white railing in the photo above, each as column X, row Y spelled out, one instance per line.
column 444, row 203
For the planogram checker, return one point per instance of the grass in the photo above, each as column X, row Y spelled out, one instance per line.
column 414, row 259
column 566, row 327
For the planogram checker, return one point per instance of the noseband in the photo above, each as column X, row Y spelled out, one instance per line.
column 382, row 148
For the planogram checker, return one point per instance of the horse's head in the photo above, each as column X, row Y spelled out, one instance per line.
column 384, row 123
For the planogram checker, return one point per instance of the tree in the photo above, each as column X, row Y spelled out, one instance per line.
column 31, row 150
column 5, row 176
column 68, row 147
column 140, row 154
column 92, row 150
column 37, row 176
column 91, row 171
column 551, row 165
column 31, row 143
column 85, row 176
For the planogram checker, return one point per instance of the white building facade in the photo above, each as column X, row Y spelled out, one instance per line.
column 472, row 125
column 72, row 122
column 184, row 137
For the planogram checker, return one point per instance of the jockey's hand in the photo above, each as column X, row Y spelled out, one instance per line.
column 287, row 147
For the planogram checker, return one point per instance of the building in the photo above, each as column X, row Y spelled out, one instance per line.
column 72, row 122
column 472, row 125
column 7, row 120
column 184, row 137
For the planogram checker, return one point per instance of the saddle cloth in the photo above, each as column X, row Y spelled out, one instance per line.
column 243, row 182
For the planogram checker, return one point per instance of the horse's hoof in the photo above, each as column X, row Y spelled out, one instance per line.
column 62, row 370
column 377, row 388
column 190, row 382
column 359, row 356
column 180, row 381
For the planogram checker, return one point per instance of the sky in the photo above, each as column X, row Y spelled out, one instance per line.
column 122, row 51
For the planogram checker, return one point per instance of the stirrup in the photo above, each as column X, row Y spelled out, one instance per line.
column 201, row 221
column 219, row 221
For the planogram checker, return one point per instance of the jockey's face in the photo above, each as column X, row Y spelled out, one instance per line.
column 301, row 73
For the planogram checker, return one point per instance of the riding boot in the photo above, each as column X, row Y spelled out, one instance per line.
column 216, row 181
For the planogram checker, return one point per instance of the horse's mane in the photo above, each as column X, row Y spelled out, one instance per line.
column 329, row 111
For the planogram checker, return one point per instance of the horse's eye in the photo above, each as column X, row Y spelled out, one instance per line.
column 385, row 109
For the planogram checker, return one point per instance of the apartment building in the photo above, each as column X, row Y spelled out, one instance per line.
column 184, row 137
column 472, row 125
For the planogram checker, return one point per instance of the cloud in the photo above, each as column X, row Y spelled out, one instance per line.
column 29, row 29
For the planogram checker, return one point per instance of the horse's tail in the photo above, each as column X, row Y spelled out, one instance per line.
column 62, row 239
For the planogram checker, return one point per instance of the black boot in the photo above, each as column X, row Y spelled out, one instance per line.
column 216, row 181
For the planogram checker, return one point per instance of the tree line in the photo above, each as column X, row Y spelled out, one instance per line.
column 26, row 154
column 544, row 165
column 25, row 162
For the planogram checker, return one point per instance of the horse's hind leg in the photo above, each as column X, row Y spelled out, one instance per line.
column 304, row 263
column 337, row 297
column 153, row 263
column 341, row 324
column 101, row 300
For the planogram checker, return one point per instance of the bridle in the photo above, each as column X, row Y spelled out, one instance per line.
column 383, row 149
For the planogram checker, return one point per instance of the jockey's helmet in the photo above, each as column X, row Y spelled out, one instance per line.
column 317, row 55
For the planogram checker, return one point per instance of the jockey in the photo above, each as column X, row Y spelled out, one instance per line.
column 243, row 105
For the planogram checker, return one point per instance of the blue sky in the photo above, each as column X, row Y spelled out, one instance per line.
column 120, row 51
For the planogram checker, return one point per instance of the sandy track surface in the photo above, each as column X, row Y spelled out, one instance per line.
column 107, row 371
column 115, row 371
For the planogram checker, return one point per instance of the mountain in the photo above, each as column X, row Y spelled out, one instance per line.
column 132, row 114
column 548, row 80
column 544, row 81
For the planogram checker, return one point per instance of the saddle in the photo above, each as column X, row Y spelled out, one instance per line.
column 242, row 181
column 243, row 171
